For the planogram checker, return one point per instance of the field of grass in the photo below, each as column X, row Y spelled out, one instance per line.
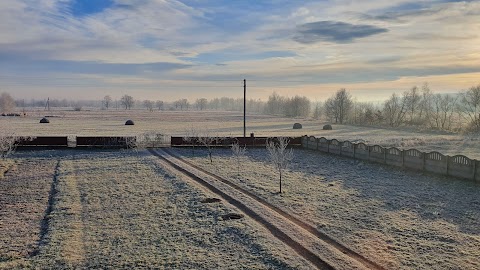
column 111, row 123
column 24, row 195
column 123, row 210
column 399, row 218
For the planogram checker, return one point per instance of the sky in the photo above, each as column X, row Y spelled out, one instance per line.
column 170, row 49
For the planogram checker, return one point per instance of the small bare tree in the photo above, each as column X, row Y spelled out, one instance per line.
column 279, row 154
column 107, row 101
column 208, row 141
column 238, row 154
column 191, row 136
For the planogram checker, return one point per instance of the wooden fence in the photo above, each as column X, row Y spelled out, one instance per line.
column 458, row 166
column 62, row 142
column 228, row 141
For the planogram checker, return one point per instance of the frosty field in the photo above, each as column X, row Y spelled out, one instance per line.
column 398, row 218
column 122, row 210
column 177, row 123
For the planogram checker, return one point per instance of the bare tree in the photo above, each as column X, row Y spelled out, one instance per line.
column 148, row 105
column 317, row 110
column 338, row 106
column 201, row 103
column 107, row 100
column 208, row 141
column 441, row 113
column 191, row 136
column 470, row 107
column 7, row 103
column 394, row 110
column 239, row 154
column 280, row 156
column 160, row 105
column 127, row 101
column 412, row 103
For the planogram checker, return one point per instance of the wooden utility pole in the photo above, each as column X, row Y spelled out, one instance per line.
column 244, row 107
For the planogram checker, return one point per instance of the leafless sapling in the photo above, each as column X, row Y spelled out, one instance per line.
column 238, row 154
column 280, row 156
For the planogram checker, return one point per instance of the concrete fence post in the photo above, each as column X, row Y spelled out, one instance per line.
column 448, row 164
column 474, row 169
column 317, row 141
column 354, row 150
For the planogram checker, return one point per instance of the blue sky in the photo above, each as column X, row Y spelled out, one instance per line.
column 161, row 49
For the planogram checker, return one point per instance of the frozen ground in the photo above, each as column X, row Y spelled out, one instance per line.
column 122, row 210
column 111, row 123
column 399, row 218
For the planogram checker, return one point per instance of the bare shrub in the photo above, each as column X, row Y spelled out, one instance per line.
column 280, row 156
column 191, row 136
column 239, row 154
column 208, row 141
column 9, row 142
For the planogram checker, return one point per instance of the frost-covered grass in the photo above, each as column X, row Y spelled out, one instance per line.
column 111, row 123
column 124, row 210
column 24, row 195
column 399, row 218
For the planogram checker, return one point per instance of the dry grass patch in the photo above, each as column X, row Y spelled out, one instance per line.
column 122, row 210
column 401, row 219
column 24, row 196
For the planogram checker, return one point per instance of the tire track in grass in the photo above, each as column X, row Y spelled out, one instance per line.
column 311, row 229
column 61, row 244
column 278, row 233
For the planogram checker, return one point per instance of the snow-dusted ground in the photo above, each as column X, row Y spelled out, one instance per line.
column 123, row 210
column 399, row 218
column 111, row 123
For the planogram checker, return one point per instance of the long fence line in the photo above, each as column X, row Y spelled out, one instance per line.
column 434, row 162
column 458, row 166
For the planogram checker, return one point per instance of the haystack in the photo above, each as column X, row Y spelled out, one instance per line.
column 297, row 126
column 129, row 123
column 327, row 127
column 44, row 120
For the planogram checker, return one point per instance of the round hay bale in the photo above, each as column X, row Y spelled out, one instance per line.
column 44, row 121
column 327, row 127
column 129, row 123
column 297, row 126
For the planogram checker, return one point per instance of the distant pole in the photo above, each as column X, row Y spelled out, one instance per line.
column 244, row 107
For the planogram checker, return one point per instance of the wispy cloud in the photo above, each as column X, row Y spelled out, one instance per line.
column 316, row 42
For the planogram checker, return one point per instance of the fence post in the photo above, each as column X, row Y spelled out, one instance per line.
column 474, row 169
column 448, row 164
column 423, row 159
column 328, row 146
column 317, row 141
column 354, row 149
column 403, row 158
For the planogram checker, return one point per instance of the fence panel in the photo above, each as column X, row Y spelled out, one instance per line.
column 461, row 166
column 107, row 142
column 394, row 156
column 304, row 141
column 436, row 162
column 361, row 151
column 56, row 141
column 323, row 144
column 335, row 147
column 312, row 143
column 348, row 149
column 377, row 154
column 477, row 169
column 413, row 159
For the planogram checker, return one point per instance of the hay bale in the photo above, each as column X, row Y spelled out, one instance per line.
column 327, row 127
column 129, row 123
column 44, row 121
column 297, row 126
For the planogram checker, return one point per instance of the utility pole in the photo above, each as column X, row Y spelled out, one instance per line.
column 244, row 107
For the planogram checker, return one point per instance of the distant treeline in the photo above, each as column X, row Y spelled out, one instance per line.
column 417, row 107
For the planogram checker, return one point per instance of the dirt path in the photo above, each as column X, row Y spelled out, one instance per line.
column 294, row 232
